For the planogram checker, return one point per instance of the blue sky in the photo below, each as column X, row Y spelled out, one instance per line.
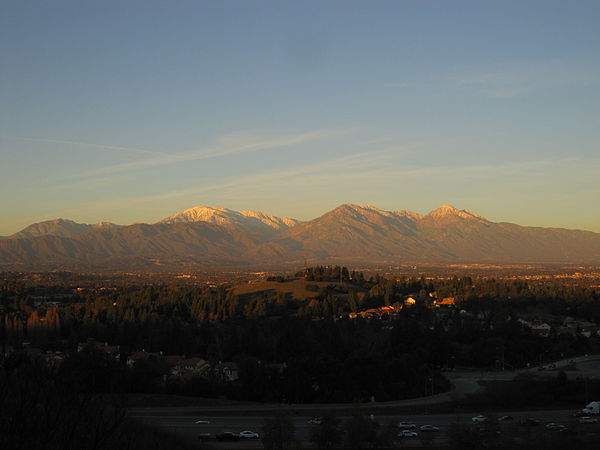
column 129, row 111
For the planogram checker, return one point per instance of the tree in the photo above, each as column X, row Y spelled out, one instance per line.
column 278, row 432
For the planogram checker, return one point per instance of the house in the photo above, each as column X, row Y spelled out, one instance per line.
column 180, row 366
column 112, row 350
column 537, row 327
column 227, row 371
column 377, row 313
column 410, row 301
column 448, row 302
column 142, row 356
column 541, row 328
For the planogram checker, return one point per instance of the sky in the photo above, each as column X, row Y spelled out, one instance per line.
column 129, row 111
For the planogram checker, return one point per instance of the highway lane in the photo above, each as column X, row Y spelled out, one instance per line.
column 185, row 425
column 181, row 420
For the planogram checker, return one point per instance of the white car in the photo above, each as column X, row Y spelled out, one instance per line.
column 248, row 435
column 202, row 422
column 479, row 419
column 407, row 426
column 408, row 433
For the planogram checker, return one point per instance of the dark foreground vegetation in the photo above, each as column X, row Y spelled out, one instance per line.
column 41, row 409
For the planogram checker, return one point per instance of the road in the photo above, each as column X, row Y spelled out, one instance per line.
column 185, row 425
column 181, row 420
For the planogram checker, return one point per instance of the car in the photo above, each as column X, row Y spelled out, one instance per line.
column 315, row 421
column 227, row 436
column 407, row 426
column 587, row 420
column 204, row 436
column 479, row 418
column 530, row 422
column 429, row 428
column 408, row 433
column 505, row 418
column 555, row 426
column 202, row 422
column 248, row 435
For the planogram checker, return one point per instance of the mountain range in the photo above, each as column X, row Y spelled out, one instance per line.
column 213, row 237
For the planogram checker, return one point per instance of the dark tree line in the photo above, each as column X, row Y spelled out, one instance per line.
column 302, row 351
column 42, row 410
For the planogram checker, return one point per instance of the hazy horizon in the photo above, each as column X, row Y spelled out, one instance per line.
column 132, row 111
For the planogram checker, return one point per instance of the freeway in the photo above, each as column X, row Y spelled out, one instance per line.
column 250, row 416
column 186, row 427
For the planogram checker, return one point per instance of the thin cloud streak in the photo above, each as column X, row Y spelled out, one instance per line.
column 84, row 144
column 360, row 167
column 509, row 79
column 355, row 162
column 227, row 145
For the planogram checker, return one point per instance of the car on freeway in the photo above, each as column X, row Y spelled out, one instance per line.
column 408, row 433
column 429, row 428
column 505, row 418
column 248, row 435
column 202, row 422
column 227, row 436
column 587, row 420
column 555, row 426
column 407, row 426
column 204, row 436
column 529, row 422
column 315, row 421
column 479, row 418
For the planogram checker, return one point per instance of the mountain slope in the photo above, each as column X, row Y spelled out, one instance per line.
column 60, row 227
column 204, row 237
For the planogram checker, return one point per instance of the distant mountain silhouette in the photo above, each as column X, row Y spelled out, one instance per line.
column 208, row 237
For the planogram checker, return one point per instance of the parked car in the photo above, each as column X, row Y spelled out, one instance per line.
column 429, row 428
column 407, row 426
column 248, row 435
column 202, row 422
column 587, row 420
column 408, row 433
column 227, row 436
column 555, row 426
column 505, row 418
column 479, row 418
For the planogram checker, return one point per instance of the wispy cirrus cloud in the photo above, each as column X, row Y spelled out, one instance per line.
column 354, row 163
column 83, row 144
column 508, row 79
column 227, row 145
